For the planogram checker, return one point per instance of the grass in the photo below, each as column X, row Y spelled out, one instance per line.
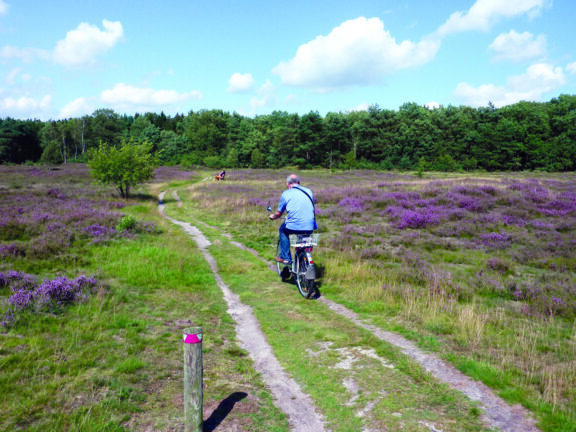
column 456, row 307
column 298, row 330
column 114, row 363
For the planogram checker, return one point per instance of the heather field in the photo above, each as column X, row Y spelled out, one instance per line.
column 93, row 300
column 479, row 268
column 94, row 291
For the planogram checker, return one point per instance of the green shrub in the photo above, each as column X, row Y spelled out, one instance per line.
column 127, row 223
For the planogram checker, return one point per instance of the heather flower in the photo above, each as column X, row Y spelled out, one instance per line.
column 547, row 296
column 513, row 220
column 41, row 217
column 50, row 295
column 414, row 260
column 11, row 250
column 497, row 265
column 487, row 189
column 56, row 193
column 394, row 212
column 149, row 228
column 484, row 282
column 56, row 293
column 255, row 202
column 541, row 224
column 50, row 244
column 413, row 219
column 496, row 240
column 17, row 280
column 97, row 230
column 116, row 205
column 471, row 203
column 21, row 300
column 352, row 205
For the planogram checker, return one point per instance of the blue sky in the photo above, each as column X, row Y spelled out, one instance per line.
column 63, row 58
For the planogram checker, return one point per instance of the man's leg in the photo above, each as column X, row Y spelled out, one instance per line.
column 284, row 242
column 284, row 234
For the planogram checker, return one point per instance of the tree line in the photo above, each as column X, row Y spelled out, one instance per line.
column 522, row 136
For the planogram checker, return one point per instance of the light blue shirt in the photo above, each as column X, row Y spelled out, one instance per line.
column 298, row 207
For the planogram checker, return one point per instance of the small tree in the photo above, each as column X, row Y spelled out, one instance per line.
column 258, row 159
column 350, row 160
column 421, row 167
column 124, row 167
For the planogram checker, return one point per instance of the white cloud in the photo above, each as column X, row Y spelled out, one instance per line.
column 291, row 99
column 77, row 108
column 358, row 52
column 3, row 7
column 518, row 46
column 432, row 105
column 362, row 107
column 571, row 67
column 27, row 55
column 240, row 83
column 267, row 97
column 25, row 106
column 539, row 79
column 128, row 97
column 83, row 44
column 16, row 76
column 484, row 13
column 267, row 88
column 12, row 76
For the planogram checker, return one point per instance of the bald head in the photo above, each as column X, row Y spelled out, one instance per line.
column 292, row 180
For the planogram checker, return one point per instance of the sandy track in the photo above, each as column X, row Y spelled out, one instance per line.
column 289, row 397
column 497, row 413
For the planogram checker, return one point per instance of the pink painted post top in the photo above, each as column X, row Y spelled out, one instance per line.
column 192, row 338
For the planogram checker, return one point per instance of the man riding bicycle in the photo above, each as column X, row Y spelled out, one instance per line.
column 298, row 203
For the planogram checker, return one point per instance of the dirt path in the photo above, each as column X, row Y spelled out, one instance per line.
column 299, row 408
column 497, row 413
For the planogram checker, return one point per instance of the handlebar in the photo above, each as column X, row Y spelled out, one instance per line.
column 270, row 211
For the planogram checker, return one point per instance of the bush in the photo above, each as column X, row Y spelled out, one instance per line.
column 127, row 223
column 125, row 168
column 49, row 296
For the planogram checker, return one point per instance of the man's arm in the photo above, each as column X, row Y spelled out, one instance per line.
column 275, row 215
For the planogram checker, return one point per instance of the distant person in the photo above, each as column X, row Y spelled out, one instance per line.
column 221, row 175
column 298, row 203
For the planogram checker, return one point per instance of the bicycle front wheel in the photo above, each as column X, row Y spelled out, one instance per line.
column 305, row 286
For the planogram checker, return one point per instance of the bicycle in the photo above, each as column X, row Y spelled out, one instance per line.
column 302, row 266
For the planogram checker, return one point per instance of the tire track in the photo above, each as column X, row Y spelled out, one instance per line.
column 497, row 413
column 288, row 395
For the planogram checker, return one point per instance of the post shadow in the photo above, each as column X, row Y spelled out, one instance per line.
column 221, row 412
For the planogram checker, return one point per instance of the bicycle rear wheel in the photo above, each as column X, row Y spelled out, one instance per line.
column 305, row 286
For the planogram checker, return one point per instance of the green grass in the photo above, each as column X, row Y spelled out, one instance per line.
column 115, row 362
column 533, row 356
column 297, row 329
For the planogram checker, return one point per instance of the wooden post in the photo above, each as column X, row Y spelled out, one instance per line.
column 193, row 393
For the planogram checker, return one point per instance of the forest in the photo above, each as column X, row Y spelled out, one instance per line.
column 525, row 136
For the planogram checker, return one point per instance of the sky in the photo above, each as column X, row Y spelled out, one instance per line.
column 66, row 58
